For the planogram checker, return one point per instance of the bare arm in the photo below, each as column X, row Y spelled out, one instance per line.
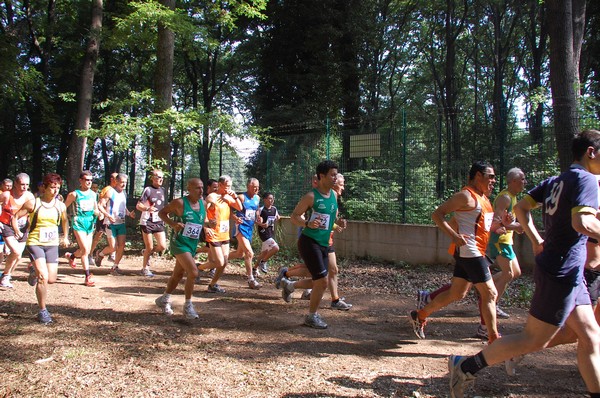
column 174, row 207
column 305, row 203
column 523, row 212
column 458, row 201
column 587, row 224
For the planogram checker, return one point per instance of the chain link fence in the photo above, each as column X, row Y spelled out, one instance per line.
column 395, row 172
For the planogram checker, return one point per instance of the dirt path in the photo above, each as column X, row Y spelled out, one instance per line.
column 111, row 341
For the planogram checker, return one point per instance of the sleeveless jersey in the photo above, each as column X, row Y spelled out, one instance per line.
column 248, row 214
column 45, row 230
column 186, row 240
column 506, row 238
column 221, row 212
column 84, row 207
column 8, row 210
column 324, row 210
column 475, row 225
column 117, row 206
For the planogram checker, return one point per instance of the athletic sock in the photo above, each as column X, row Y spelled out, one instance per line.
column 188, row 301
column 87, row 272
column 335, row 301
column 473, row 364
column 166, row 297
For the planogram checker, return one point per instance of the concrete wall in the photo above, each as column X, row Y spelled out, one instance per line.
column 413, row 244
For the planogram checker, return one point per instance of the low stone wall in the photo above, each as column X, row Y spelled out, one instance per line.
column 413, row 244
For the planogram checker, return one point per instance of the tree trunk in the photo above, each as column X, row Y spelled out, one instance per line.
column 161, row 139
column 565, row 16
column 77, row 145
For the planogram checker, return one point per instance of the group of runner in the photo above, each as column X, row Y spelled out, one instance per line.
column 33, row 222
column 565, row 274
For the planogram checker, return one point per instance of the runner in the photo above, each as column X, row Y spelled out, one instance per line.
column 475, row 218
column 150, row 203
column 6, row 185
column 217, row 234
column 300, row 270
column 313, row 243
column 268, row 216
column 245, row 220
column 84, row 220
column 189, row 216
column 11, row 201
column 114, row 206
column 46, row 213
column 102, row 221
column 569, row 206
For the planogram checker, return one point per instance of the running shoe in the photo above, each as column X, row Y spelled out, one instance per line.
column 44, row 317
column 115, row 271
column 253, row 284
column 215, row 289
column 212, row 272
column 306, row 294
column 91, row 260
column 189, row 311
column 422, row 299
column 280, row 276
column 5, row 282
column 89, row 281
column 510, row 365
column 287, row 288
column 340, row 305
column 417, row 325
column 263, row 267
column 315, row 321
column 111, row 257
column 255, row 273
column 165, row 306
column 32, row 277
column 501, row 314
column 459, row 380
column 69, row 256
column 147, row 273
column 482, row 332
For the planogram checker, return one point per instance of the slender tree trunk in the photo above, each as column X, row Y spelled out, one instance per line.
column 77, row 145
column 565, row 17
column 161, row 139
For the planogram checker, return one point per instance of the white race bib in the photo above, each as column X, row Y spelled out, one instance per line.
column 487, row 221
column 224, row 226
column 250, row 214
column 191, row 230
column 48, row 234
column 322, row 218
column 270, row 221
column 86, row 205
column 154, row 217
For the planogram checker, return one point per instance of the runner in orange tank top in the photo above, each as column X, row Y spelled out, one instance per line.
column 474, row 217
column 217, row 234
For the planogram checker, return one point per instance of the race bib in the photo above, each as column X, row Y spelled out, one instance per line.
column 487, row 220
column 322, row 218
column 48, row 234
column 86, row 205
column 250, row 214
column 224, row 226
column 154, row 217
column 270, row 221
column 192, row 230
